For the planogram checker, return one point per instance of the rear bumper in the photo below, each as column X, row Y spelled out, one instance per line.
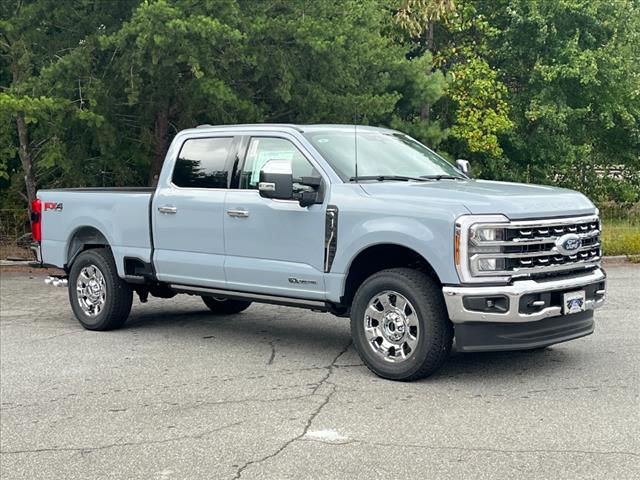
column 523, row 301
column 37, row 250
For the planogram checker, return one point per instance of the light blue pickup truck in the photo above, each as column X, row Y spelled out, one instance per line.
column 357, row 221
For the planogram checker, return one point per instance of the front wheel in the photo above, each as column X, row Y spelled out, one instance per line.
column 225, row 306
column 100, row 299
column 399, row 324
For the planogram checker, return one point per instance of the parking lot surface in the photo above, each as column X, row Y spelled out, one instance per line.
column 278, row 392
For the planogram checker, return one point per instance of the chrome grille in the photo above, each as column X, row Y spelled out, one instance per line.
column 532, row 247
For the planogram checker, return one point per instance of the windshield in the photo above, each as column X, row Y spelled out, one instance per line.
column 379, row 154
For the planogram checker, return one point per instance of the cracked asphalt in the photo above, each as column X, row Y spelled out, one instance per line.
column 278, row 392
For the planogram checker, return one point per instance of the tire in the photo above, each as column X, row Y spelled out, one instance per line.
column 100, row 299
column 225, row 306
column 396, row 342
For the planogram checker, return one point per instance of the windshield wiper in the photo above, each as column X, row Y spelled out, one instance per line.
column 440, row 177
column 382, row 178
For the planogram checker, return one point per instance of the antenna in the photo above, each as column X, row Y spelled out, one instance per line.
column 355, row 140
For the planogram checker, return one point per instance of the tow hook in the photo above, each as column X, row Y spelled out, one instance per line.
column 56, row 281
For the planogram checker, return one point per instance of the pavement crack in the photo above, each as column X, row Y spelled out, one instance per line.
column 324, row 380
column 273, row 353
column 494, row 450
column 85, row 450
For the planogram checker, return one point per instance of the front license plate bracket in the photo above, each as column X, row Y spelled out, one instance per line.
column 573, row 302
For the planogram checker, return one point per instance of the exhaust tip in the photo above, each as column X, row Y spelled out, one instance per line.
column 56, row 281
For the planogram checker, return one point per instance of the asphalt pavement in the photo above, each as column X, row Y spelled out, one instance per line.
column 279, row 392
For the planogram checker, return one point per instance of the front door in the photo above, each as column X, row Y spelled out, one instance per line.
column 273, row 246
column 188, row 214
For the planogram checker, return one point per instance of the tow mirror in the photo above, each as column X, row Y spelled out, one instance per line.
column 276, row 180
column 464, row 167
column 311, row 191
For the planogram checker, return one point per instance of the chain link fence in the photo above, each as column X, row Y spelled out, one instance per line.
column 621, row 231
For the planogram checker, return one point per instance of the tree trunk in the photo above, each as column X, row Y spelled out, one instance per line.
column 158, row 145
column 425, row 111
column 430, row 43
column 26, row 159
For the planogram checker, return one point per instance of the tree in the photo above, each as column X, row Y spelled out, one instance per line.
column 572, row 68
column 34, row 36
column 473, row 110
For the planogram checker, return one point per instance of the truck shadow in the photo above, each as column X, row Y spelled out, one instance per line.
column 294, row 331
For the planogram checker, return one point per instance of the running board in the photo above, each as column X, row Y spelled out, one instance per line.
column 254, row 297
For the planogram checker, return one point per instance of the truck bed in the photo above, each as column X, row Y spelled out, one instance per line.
column 121, row 215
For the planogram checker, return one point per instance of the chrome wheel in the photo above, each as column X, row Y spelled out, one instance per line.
column 92, row 290
column 391, row 326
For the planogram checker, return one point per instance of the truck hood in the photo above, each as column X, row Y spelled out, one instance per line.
column 515, row 200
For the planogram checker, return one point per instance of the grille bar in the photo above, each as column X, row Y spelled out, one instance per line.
column 534, row 241
column 532, row 254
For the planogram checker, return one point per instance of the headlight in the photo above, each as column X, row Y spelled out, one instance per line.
column 486, row 234
column 477, row 237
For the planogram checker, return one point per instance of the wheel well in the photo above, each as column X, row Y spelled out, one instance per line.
column 380, row 257
column 83, row 239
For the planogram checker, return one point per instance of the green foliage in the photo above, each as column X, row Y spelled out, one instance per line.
column 528, row 90
column 573, row 72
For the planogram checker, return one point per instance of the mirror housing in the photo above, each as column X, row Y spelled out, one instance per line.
column 276, row 180
column 464, row 167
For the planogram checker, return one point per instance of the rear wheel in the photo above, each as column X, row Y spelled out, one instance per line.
column 400, row 325
column 225, row 306
column 100, row 299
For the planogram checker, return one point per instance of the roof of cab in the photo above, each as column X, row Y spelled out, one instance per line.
column 289, row 126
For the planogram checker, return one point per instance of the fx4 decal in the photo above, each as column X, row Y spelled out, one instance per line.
column 56, row 207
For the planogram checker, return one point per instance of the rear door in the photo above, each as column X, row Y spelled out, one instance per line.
column 274, row 247
column 188, row 211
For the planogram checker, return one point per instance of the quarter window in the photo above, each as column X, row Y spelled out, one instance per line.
column 202, row 163
column 263, row 149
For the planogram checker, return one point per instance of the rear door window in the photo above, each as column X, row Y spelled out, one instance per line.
column 203, row 163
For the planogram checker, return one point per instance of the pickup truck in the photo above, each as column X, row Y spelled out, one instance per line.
column 357, row 221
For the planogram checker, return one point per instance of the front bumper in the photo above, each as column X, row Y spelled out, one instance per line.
column 523, row 300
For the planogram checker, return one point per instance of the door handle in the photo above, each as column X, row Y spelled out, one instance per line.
column 238, row 212
column 168, row 209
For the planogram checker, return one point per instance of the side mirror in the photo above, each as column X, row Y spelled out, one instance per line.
column 276, row 180
column 464, row 167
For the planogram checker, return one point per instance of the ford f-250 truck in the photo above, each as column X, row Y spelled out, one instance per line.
column 356, row 221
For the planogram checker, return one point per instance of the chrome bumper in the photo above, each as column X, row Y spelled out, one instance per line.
column 454, row 298
column 36, row 249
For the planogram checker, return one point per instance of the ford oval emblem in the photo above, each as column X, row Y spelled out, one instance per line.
column 568, row 244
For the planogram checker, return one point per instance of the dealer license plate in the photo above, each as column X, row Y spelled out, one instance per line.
column 573, row 302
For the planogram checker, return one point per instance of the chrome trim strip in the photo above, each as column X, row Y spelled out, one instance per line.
column 462, row 228
column 519, row 272
column 541, row 253
column 530, row 241
column 454, row 296
column 544, row 223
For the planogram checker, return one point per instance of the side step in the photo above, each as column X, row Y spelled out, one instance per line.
column 254, row 297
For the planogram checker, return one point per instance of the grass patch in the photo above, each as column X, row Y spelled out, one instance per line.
column 620, row 237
